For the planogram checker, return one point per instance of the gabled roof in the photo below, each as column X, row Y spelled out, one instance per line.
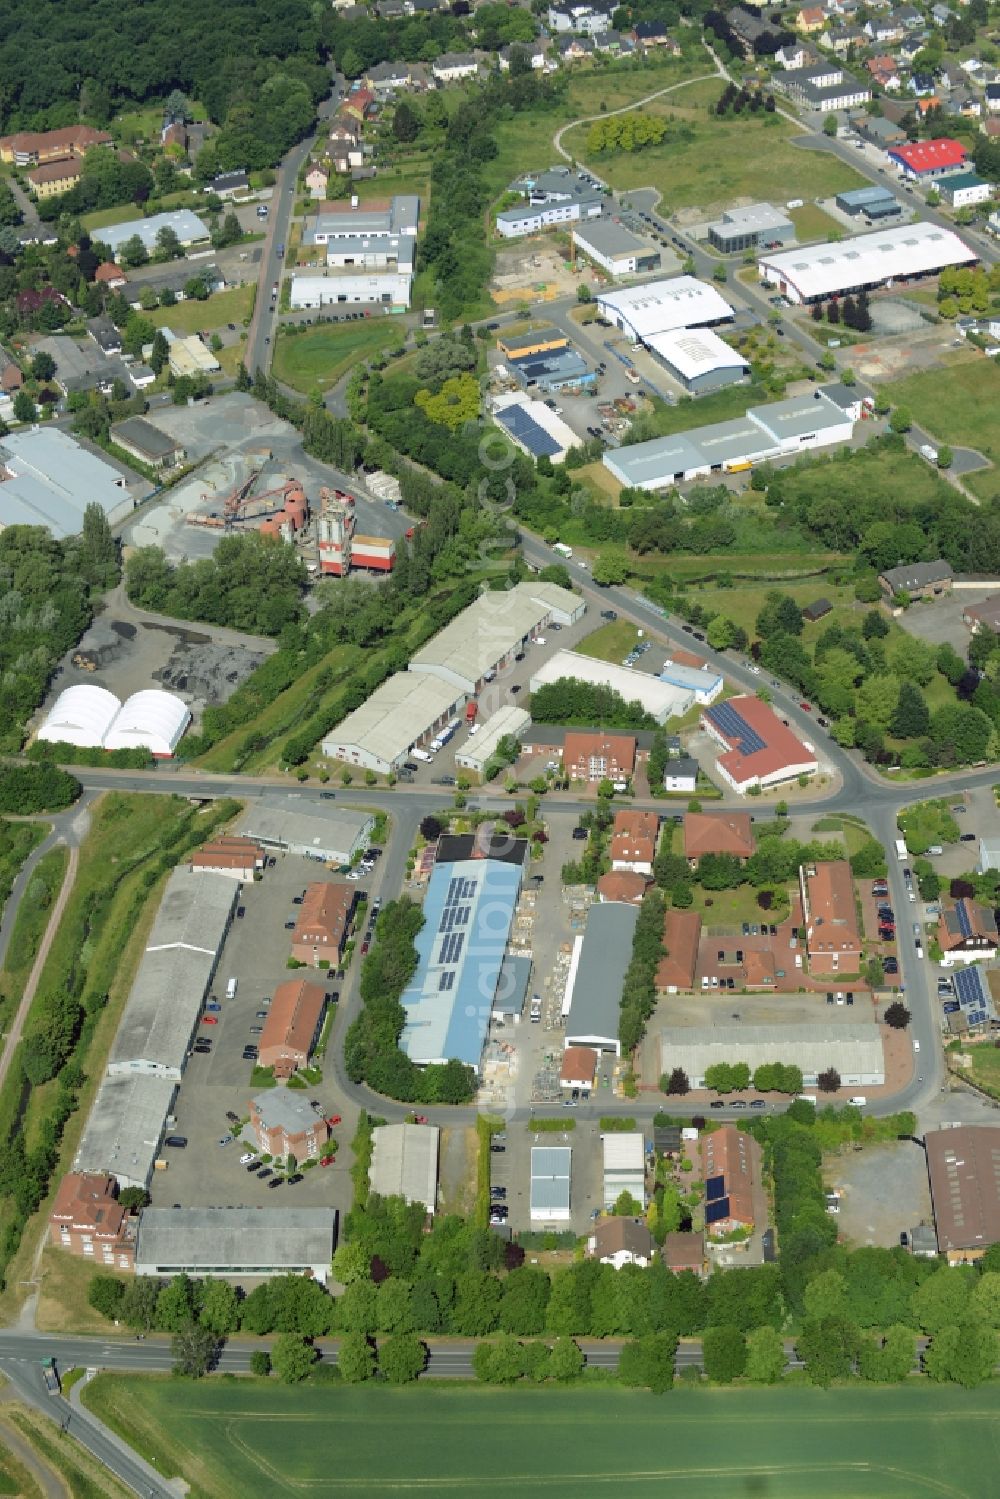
column 622, row 1236
column 718, row 833
column 681, row 931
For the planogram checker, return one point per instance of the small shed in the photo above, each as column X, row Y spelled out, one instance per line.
column 816, row 610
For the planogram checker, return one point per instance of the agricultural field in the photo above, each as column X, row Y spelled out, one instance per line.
column 317, row 359
column 244, row 1437
column 712, row 163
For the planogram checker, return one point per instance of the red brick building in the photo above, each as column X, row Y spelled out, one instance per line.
column 323, row 923
column 238, row 857
column 833, row 939
column 633, row 841
column 597, row 757
column 88, row 1220
column 292, row 1027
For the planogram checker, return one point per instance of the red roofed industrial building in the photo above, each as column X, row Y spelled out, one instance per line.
column 88, row 1220
column 292, row 1027
column 923, row 159
column 833, row 940
column 681, row 933
column 238, row 857
column 759, row 750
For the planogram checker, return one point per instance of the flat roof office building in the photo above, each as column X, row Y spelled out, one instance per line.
column 749, row 228
column 616, row 249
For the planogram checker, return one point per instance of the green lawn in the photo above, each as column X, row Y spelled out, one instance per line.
column 960, row 410
column 316, row 360
column 102, row 217
column 812, row 223
column 611, row 642
column 730, row 908
column 721, row 406
column 233, row 1439
column 708, row 162
column 190, row 316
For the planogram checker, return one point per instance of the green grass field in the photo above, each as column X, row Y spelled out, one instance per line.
column 239, row 1438
column 812, row 223
column 611, row 642
column 102, row 217
column 231, row 306
column 723, row 160
column 316, row 360
column 960, row 410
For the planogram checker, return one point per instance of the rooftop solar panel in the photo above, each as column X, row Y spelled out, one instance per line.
column 715, row 1187
column 735, row 727
column 446, row 981
column 967, row 988
column 962, row 916
column 714, row 1211
column 977, row 1017
column 520, row 425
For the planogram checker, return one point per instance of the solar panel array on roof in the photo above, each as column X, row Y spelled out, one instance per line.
column 735, row 727
column 520, row 425
column 717, row 1210
column 972, row 993
column 962, row 917
column 715, row 1187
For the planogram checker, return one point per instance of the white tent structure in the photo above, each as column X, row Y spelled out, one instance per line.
column 153, row 720
column 93, row 718
column 81, row 715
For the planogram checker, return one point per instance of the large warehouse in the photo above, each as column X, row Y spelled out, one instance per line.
column 852, row 1049
column 468, row 912
column 662, row 306
column 404, row 711
column 698, row 359
column 175, row 974
column 48, row 479
column 551, row 1177
column 236, row 1243
column 778, row 430
column 660, row 699
column 333, row 835
column 476, row 753
column 189, row 229
column 123, row 1133
column 596, row 974
column 864, row 262
column 93, row 718
column 616, row 249
column 963, row 1165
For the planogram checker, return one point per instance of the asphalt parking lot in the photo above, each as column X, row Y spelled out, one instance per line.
column 511, row 1168
column 206, row 1173
column 939, row 621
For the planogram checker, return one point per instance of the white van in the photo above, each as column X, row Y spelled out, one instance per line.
column 859, row 1100
column 231, row 989
column 420, row 754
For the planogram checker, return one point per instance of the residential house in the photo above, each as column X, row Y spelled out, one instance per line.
column 964, row 104
column 731, row 1169
column 317, row 181
column 293, row 1026
column 533, row 51
column 908, row 49
column 884, row 71
column 992, row 98
column 452, row 67
column 110, row 275
column 844, row 39
column 579, row 1068
column 966, row 931
column 681, row 1252
column 88, row 1221
column 323, row 922
column 941, row 14
column 833, row 937
column 809, row 19
column 622, row 885
column 387, row 77
column 615, row 44
column 55, row 177
column 579, row 16
column 239, row 858
column 681, row 935
column 229, row 185
column 285, row 1123
column 918, row 580
column 922, row 85
column 983, row 616
column 753, row 32
column 574, row 48
column 882, row 29
column 654, row 34
column 358, row 105
column 595, row 756
column 11, row 377
column 909, row 18
column 621, row 1241
column 681, row 775
column 633, row 841
column 791, row 55
column 718, row 833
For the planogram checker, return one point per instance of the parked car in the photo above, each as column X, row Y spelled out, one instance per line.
column 276, row 1182
column 296, row 1176
column 176, row 1142
column 209, row 1020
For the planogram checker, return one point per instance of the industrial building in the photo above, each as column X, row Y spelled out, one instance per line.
column 487, row 635
column 468, row 912
column 624, row 1167
column 556, row 196
column 852, row 1049
column 551, row 1175
column 963, row 1167
column 759, row 750
column 663, row 306
column 965, row 190
column 870, row 202
column 404, row 711
column 414, row 705
column 48, row 479
column 656, row 697
column 616, row 249
column 331, row 834
column 925, row 161
column 122, row 1136
column 741, row 229
column 91, row 717
column 175, row 974
column 478, row 751
column 559, row 368
column 596, row 974
column 188, row 355
column 777, row 430
column 864, row 262
column 189, row 229
column 236, row 1243
column 237, row 858
column 370, row 253
column 533, row 427
column 698, row 359
column 151, row 445
column 512, row 988
column 704, row 684
column 404, row 1162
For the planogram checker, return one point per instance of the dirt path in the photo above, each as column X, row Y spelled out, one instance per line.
column 51, row 1483
column 17, row 1026
column 671, row 88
